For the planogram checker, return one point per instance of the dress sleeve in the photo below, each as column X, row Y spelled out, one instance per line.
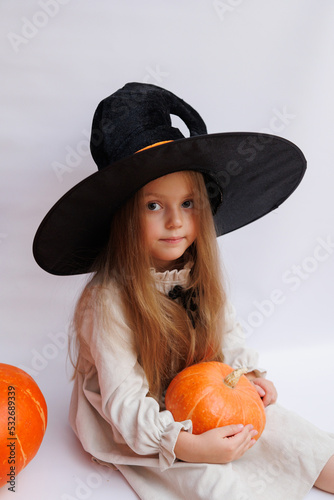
column 116, row 387
column 236, row 354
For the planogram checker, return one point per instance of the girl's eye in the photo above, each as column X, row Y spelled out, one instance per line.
column 153, row 206
column 188, row 204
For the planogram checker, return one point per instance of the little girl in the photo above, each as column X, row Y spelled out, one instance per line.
column 145, row 226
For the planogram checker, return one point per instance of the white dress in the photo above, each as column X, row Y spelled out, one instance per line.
column 118, row 425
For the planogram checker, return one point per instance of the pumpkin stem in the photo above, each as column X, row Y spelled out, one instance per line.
column 232, row 378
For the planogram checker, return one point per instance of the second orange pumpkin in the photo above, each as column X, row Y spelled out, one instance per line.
column 23, row 420
column 211, row 395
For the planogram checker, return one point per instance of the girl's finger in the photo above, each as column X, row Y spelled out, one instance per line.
column 260, row 391
column 247, row 443
column 270, row 398
column 231, row 430
column 243, row 437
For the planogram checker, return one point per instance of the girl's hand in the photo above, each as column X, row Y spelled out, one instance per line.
column 266, row 390
column 217, row 446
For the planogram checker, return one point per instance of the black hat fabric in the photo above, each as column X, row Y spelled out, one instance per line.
column 137, row 116
column 247, row 174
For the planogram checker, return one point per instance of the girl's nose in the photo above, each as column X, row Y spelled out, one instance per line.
column 174, row 218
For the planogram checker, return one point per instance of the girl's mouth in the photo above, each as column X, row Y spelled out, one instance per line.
column 172, row 240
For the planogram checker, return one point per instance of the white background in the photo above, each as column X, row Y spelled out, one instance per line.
column 245, row 66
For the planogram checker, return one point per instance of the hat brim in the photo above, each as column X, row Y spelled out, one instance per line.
column 255, row 172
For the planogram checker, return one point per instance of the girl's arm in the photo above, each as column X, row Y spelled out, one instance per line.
column 110, row 411
column 219, row 446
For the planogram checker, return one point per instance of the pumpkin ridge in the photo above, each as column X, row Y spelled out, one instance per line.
column 241, row 407
column 260, row 405
column 38, row 407
column 24, row 456
column 219, row 420
column 245, row 394
column 209, row 389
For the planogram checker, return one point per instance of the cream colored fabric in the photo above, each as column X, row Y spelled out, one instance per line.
column 118, row 424
column 282, row 465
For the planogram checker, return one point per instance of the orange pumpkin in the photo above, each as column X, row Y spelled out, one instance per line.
column 23, row 419
column 212, row 394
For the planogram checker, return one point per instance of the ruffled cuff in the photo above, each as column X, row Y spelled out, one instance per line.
column 168, row 440
column 258, row 372
column 244, row 357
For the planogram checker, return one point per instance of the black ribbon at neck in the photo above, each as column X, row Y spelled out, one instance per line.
column 187, row 299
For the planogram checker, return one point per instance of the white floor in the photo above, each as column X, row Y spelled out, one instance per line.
column 61, row 470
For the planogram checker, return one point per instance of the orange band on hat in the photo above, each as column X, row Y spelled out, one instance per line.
column 153, row 145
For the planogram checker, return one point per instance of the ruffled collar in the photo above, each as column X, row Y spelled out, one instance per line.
column 166, row 280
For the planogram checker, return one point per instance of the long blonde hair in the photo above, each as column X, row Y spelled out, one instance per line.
column 164, row 336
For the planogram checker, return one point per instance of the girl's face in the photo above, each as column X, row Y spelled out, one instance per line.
column 169, row 218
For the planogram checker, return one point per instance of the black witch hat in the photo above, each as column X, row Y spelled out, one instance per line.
column 247, row 174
